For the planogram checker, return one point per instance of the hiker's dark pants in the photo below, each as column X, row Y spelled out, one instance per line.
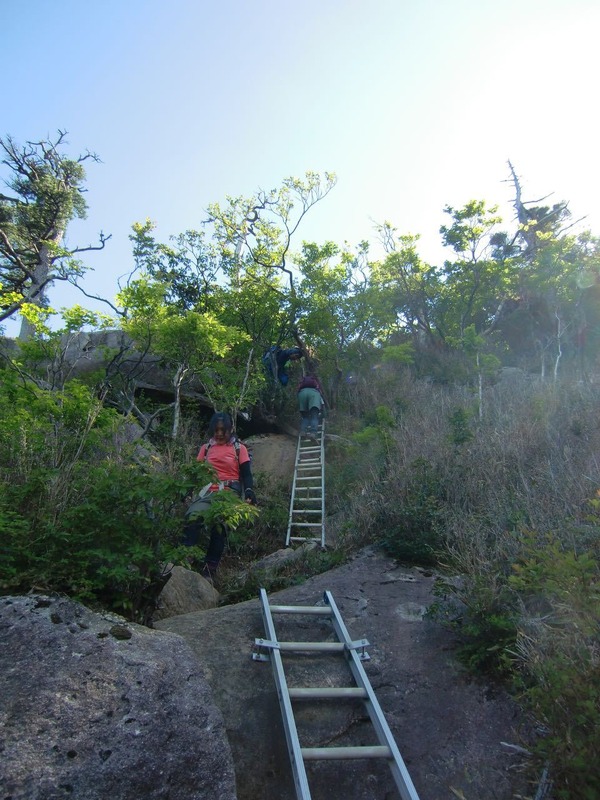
column 310, row 421
column 309, row 404
column 195, row 530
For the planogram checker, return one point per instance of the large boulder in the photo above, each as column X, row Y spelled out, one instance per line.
column 93, row 707
column 273, row 454
column 184, row 592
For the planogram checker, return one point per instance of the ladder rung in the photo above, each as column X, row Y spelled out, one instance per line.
column 306, row 511
column 304, row 539
column 312, row 647
column 309, row 499
column 306, row 524
column 331, row 753
column 318, row 611
column 327, row 692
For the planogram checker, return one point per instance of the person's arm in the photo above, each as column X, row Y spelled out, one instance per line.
column 248, row 481
column 322, row 393
column 246, row 474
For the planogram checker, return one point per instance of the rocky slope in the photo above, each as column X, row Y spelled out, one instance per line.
column 456, row 735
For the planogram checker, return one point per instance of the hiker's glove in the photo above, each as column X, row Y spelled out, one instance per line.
column 249, row 495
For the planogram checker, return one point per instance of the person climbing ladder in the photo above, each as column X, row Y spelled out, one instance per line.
column 311, row 400
column 276, row 359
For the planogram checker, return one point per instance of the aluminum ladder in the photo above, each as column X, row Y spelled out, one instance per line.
column 306, row 521
column 270, row 649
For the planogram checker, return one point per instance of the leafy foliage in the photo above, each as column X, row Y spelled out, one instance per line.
column 75, row 517
column 412, row 530
column 559, row 653
column 46, row 194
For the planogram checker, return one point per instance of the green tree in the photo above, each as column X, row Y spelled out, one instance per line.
column 556, row 275
column 323, row 293
column 473, row 285
column 50, row 358
column 46, row 194
column 408, row 288
column 259, row 230
column 192, row 345
column 190, row 266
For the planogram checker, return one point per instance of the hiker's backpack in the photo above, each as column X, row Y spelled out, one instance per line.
column 269, row 361
column 236, row 444
column 309, row 382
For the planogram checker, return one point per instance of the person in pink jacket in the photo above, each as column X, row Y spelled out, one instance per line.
column 231, row 461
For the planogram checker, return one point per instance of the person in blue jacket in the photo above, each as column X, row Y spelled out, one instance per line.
column 276, row 359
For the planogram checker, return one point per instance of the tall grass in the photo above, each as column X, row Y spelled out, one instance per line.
column 503, row 498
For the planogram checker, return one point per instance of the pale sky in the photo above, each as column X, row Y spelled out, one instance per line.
column 414, row 104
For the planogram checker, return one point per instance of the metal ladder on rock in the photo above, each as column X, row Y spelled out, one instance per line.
column 270, row 649
column 306, row 521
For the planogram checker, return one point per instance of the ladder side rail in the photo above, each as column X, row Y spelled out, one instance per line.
column 323, row 483
column 289, row 527
column 398, row 767
column 302, row 469
column 289, row 723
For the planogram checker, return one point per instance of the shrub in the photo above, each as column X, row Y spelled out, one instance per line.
column 483, row 611
column 79, row 514
column 559, row 652
column 411, row 518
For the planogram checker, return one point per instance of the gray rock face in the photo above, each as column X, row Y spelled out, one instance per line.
column 93, row 707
